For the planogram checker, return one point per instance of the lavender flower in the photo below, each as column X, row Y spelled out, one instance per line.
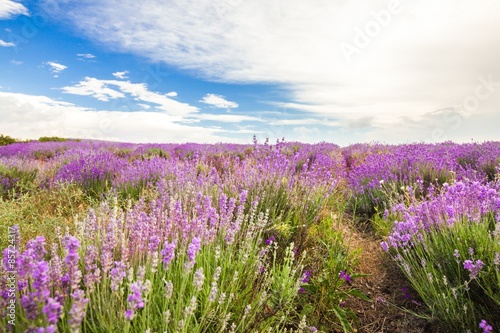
column 193, row 248
column 41, row 280
column 30, row 306
column 168, row 253
column 74, row 275
column 270, row 240
column 72, row 244
column 52, row 310
column 473, row 268
column 118, row 273
column 305, row 277
column 134, row 300
column 77, row 312
column 485, row 327
column 198, row 279
column 345, row 276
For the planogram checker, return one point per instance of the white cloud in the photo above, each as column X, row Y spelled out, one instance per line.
column 55, row 67
column 100, row 89
column 427, row 57
column 218, row 101
column 144, row 106
column 95, row 88
column 85, row 56
column 121, row 75
column 5, row 44
column 16, row 62
column 9, row 9
column 27, row 117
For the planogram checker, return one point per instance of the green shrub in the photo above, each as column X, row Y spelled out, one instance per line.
column 6, row 140
column 51, row 139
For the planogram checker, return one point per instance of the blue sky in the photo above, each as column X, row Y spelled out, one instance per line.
column 223, row 70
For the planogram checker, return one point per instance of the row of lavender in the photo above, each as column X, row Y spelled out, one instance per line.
column 204, row 213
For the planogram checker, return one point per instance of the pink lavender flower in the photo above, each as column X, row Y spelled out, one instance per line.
column 485, row 327
column 193, row 248
column 473, row 268
column 77, row 312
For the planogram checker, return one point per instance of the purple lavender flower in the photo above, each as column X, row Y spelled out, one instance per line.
column 30, row 306
column 473, row 268
column 305, row 277
column 92, row 271
column 77, row 312
column 72, row 244
column 74, row 275
column 168, row 253
column 193, row 248
column 41, row 280
column 485, row 327
column 37, row 248
column 270, row 240
column 134, row 300
column 52, row 310
column 345, row 276
column 117, row 274
column 154, row 241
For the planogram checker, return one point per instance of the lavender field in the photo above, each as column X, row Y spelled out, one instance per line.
column 117, row 237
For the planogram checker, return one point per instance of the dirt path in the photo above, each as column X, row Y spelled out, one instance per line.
column 387, row 288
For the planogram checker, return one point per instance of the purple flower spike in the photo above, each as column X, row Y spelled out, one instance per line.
column 52, row 310
column 305, row 277
column 345, row 276
column 77, row 312
column 72, row 245
column 168, row 253
column 270, row 240
column 193, row 248
column 473, row 268
column 485, row 327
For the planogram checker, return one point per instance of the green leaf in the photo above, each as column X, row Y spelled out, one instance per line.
column 342, row 317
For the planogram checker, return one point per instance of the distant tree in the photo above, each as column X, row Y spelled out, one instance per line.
column 6, row 140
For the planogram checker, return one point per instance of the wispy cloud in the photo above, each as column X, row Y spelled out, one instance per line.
column 55, row 67
column 218, row 101
column 10, row 9
column 85, row 56
column 16, row 62
column 5, row 44
column 121, row 75
column 100, row 89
